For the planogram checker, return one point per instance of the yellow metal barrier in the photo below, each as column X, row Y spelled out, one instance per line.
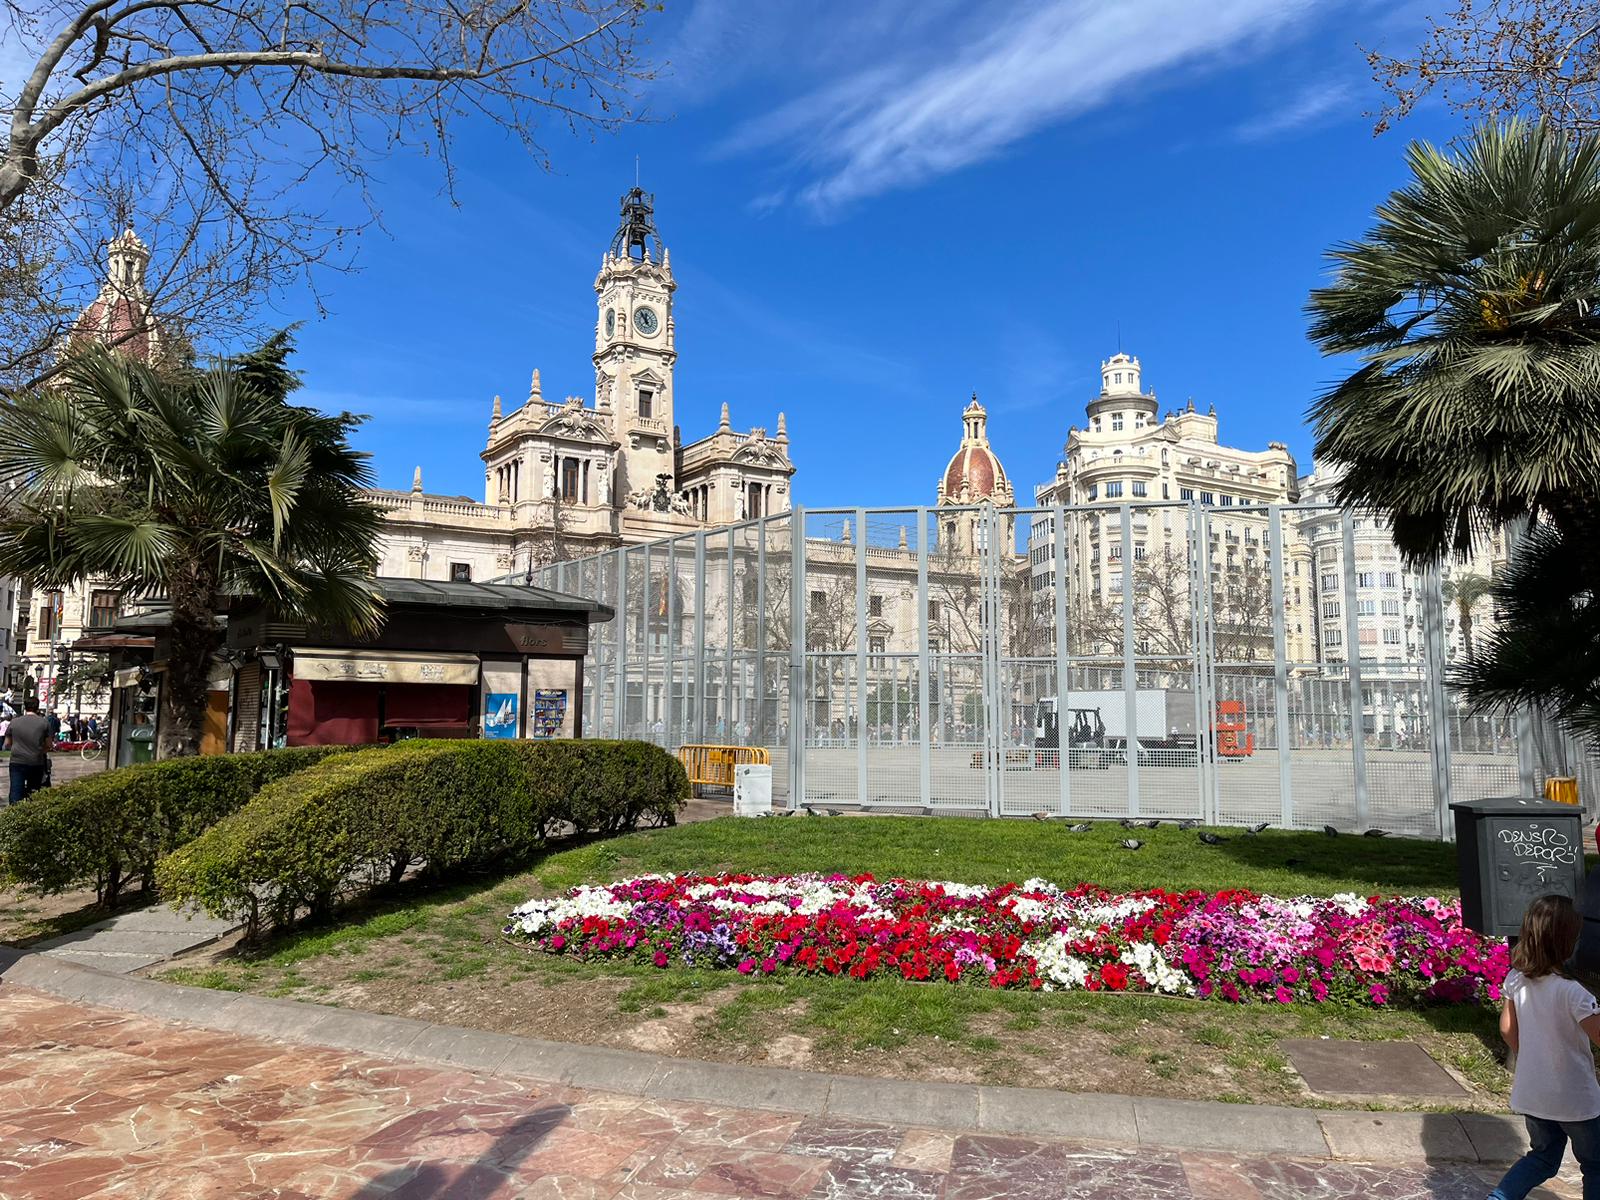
column 712, row 766
column 1562, row 789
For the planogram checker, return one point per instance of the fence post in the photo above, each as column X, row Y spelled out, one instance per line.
column 861, row 656
column 760, row 647
column 1063, row 662
column 670, row 704
column 1280, row 666
column 924, row 666
column 1438, row 698
column 619, row 666
column 1352, row 658
column 1130, row 675
column 799, row 702
column 729, row 617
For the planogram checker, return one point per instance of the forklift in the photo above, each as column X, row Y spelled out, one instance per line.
column 1086, row 738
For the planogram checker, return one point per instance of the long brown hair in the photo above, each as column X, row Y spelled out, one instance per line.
column 1550, row 930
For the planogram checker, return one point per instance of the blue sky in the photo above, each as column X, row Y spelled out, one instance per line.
column 875, row 210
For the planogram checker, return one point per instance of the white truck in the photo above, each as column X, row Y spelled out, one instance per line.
column 1097, row 728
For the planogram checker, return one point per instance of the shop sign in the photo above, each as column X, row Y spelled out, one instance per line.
column 358, row 666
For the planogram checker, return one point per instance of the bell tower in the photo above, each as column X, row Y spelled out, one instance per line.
column 634, row 346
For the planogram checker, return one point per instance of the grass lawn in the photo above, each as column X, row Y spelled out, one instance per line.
column 438, row 955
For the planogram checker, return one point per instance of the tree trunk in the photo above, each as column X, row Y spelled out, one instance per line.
column 1465, row 610
column 183, row 691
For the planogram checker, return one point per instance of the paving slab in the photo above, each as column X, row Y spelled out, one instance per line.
column 140, row 938
column 1249, row 1128
column 1495, row 1138
column 949, row 1105
column 1333, row 1066
column 1083, row 1116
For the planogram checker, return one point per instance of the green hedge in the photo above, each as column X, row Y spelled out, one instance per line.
column 306, row 842
column 109, row 829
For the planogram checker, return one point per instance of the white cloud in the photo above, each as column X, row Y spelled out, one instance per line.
column 927, row 106
column 1313, row 104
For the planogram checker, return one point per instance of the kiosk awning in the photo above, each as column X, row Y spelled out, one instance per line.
column 385, row 666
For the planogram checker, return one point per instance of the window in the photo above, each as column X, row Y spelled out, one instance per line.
column 819, row 601
column 875, row 606
column 1389, row 579
column 1142, row 646
column 1391, row 636
column 1332, row 637
column 876, row 645
column 1114, row 489
column 1116, row 585
column 569, row 480
column 933, row 610
column 102, row 609
column 1185, row 493
column 460, row 572
column 1364, row 579
column 1391, row 607
column 1330, row 581
column 1138, row 552
column 1095, row 424
column 1207, row 498
column 1114, row 552
column 1368, row 637
column 1118, row 377
column 1366, row 608
column 1227, row 502
column 1094, row 492
column 647, row 402
column 1330, row 608
column 1116, row 422
column 1139, row 488
column 1166, row 491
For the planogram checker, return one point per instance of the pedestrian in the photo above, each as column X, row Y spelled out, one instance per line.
column 29, row 739
column 55, row 723
column 1549, row 1020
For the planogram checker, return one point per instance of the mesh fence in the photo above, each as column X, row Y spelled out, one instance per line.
column 1233, row 665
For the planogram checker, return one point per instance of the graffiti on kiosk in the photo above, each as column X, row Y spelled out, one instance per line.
column 1543, row 845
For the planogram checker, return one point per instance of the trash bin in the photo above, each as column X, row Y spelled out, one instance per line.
column 1510, row 851
column 752, row 789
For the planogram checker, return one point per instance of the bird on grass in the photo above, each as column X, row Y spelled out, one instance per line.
column 810, row 812
column 1151, row 824
column 834, row 812
column 1080, row 827
column 1330, row 831
column 1376, row 833
column 1130, row 843
column 1128, row 823
column 788, row 812
column 1189, row 824
column 1259, row 828
column 1041, row 816
column 1211, row 839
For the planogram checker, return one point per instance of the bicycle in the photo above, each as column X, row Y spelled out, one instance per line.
column 94, row 748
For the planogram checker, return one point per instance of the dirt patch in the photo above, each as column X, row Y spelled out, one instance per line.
column 26, row 918
column 675, row 1028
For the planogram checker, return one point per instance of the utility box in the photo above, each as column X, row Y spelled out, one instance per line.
column 1509, row 852
column 752, row 789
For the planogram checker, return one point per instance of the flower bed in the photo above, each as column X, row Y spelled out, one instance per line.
column 1230, row 945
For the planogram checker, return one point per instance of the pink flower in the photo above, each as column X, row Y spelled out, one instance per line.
column 1284, row 995
column 660, row 958
column 746, row 966
column 557, row 942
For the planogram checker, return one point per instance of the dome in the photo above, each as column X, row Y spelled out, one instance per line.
column 119, row 316
column 974, row 472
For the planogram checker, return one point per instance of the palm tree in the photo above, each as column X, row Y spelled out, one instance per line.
column 1465, row 591
column 1470, row 309
column 195, row 485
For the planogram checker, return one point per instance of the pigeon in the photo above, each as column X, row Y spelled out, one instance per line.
column 1130, row 843
column 1151, row 824
column 1330, row 831
column 788, row 812
column 1129, row 823
column 1080, row 827
column 1376, row 833
column 1211, row 839
column 834, row 812
column 810, row 812
column 1041, row 816
column 1189, row 824
column 1255, row 829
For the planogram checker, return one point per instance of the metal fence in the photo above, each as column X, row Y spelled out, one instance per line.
column 1003, row 662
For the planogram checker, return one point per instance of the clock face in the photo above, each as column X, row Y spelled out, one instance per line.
column 644, row 320
column 611, row 322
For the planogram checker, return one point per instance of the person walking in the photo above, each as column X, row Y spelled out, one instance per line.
column 29, row 740
column 1549, row 1020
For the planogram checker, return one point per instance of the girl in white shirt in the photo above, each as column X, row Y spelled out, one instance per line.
column 1549, row 1020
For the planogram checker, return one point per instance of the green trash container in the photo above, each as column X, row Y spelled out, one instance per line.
column 142, row 744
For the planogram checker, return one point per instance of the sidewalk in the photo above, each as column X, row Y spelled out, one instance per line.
column 153, row 1091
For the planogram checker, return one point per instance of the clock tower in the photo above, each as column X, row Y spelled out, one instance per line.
column 634, row 347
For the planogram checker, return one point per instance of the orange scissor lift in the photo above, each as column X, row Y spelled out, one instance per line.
column 1233, row 739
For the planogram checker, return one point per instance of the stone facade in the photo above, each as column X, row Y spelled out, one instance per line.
column 565, row 478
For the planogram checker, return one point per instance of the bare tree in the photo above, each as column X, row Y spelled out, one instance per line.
column 1491, row 59
column 241, row 138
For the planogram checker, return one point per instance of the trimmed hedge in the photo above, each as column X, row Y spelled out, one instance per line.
column 308, row 841
column 111, row 828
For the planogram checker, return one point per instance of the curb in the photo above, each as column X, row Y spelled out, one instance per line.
column 963, row 1108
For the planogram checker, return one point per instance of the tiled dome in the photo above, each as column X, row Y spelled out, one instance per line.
column 974, row 467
